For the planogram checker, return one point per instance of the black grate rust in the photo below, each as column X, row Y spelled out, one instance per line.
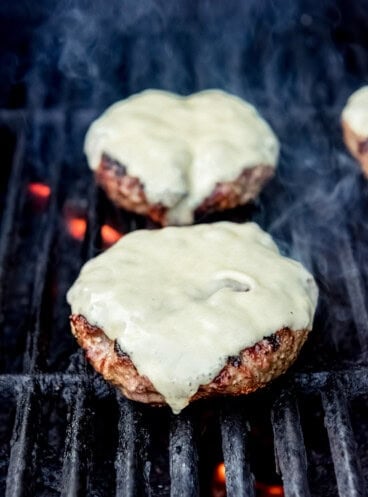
column 66, row 432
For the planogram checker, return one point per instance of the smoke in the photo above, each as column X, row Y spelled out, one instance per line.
column 297, row 61
column 99, row 51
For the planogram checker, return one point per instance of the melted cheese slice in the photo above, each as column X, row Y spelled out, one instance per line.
column 355, row 113
column 180, row 301
column 181, row 147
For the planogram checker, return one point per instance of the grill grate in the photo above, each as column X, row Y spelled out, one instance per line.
column 343, row 447
column 183, row 457
column 239, row 479
column 63, row 430
column 132, row 450
column 132, row 467
column 289, row 443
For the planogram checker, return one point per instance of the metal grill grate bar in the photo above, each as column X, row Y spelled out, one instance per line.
column 183, row 458
column 71, row 482
column 348, row 472
column 355, row 290
column 355, row 381
column 20, row 443
column 239, row 479
column 125, row 461
column 92, row 222
column 289, row 445
column 33, row 337
column 12, row 204
column 145, row 460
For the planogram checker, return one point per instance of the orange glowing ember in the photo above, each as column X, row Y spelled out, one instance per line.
column 218, row 488
column 39, row 190
column 77, row 227
column 109, row 235
column 220, row 476
column 264, row 490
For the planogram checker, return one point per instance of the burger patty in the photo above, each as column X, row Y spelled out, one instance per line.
column 171, row 153
column 253, row 368
column 357, row 145
column 128, row 191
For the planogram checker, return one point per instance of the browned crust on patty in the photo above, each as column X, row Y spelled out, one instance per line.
column 128, row 191
column 357, row 144
column 253, row 368
column 230, row 194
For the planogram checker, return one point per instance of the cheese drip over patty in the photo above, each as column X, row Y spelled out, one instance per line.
column 355, row 112
column 181, row 147
column 180, row 301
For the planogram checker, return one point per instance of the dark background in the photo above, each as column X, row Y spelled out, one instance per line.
column 80, row 50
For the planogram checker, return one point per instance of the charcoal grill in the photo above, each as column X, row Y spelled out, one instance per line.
column 63, row 430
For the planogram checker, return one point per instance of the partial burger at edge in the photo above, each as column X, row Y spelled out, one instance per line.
column 354, row 120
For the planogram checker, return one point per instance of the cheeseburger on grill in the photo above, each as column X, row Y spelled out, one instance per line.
column 174, row 315
column 355, row 126
column 172, row 157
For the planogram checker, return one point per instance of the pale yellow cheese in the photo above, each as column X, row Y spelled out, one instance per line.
column 180, row 301
column 181, row 147
column 355, row 113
